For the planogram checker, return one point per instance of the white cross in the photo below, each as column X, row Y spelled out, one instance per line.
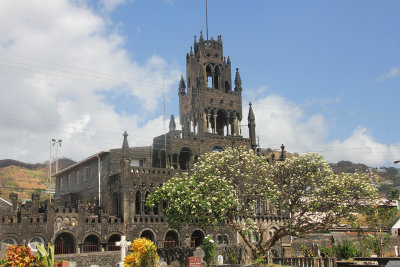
column 123, row 244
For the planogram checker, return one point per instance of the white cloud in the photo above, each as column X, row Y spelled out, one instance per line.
column 56, row 62
column 108, row 6
column 279, row 121
column 395, row 71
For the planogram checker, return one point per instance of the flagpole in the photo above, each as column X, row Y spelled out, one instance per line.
column 207, row 20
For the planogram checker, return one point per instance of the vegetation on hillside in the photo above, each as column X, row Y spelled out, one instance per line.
column 25, row 178
column 385, row 178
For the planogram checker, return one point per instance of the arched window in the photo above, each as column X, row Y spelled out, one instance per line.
column 111, row 244
column 64, row 244
column 216, row 74
column 217, row 149
column 219, row 240
column 9, row 241
column 226, row 239
column 148, row 235
column 171, row 240
column 196, row 239
column 209, row 76
column 138, row 203
column 146, row 209
column 91, row 244
column 34, row 241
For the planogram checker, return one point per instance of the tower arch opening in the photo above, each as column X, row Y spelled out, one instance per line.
column 221, row 122
column 209, row 76
column 216, row 77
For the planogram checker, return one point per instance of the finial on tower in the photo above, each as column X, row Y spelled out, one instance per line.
column 251, row 122
column 182, row 87
column 172, row 124
column 201, row 36
column 125, row 145
column 238, row 81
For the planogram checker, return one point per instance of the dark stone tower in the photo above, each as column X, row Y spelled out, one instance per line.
column 209, row 105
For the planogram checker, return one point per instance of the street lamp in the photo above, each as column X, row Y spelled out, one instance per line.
column 56, row 143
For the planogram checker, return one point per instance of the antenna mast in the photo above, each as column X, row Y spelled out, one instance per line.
column 206, row 20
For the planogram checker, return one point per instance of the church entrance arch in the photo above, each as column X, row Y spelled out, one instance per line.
column 148, row 235
column 64, row 244
column 185, row 156
column 196, row 239
column 91, row 244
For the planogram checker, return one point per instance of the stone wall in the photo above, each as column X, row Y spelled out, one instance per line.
column 103, row 259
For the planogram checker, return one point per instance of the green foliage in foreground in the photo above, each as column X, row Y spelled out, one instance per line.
column 345, row 250
column 237, row 182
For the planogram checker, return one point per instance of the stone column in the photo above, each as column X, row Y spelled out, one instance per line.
column 235, row 126
column 215, row 124
column 208, row 123
column 205, row 122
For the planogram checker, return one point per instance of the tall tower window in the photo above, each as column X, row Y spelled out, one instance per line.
column 216, row 74
column 209, row 77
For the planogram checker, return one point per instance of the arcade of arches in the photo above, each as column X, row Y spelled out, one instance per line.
column 214, row 121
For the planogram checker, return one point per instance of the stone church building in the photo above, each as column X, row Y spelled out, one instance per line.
column 119, row 180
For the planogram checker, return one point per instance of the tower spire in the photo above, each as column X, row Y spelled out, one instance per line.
column 252, row 127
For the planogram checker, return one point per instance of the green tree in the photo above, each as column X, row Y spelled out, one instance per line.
column 379, row 218
column 236, row 182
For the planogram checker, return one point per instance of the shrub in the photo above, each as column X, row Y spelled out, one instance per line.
column 210, row 250
column 21, row 256
column 143, row 254
column 232, row 258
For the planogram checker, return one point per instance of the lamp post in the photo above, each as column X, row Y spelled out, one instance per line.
column 56, row 143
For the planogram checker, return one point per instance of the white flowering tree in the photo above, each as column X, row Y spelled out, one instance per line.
column 234, row 184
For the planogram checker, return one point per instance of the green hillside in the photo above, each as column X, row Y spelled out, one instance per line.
column 26, row 179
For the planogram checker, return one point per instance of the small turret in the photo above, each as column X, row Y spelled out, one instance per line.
column 182, row 87
column 172, row 124
column 252, row 128
column 238, row 81
column 229, row 61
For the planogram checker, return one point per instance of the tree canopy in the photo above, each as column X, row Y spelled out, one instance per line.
column 302, row 192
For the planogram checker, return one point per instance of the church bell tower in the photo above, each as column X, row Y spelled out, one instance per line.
column 208, row 101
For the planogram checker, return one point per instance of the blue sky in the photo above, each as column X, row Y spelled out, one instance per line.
column 323, row 75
